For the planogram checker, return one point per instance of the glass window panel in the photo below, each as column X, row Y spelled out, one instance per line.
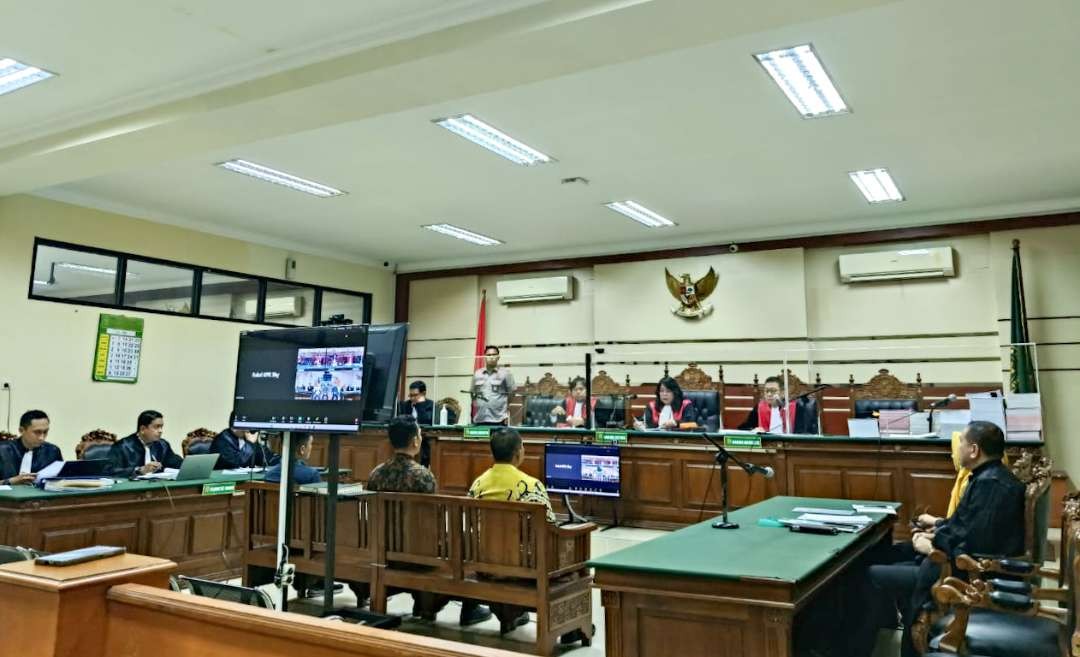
column 228, row 297
column 158, row 287
column 74, row 275
column 289, row 304
column 337, row 306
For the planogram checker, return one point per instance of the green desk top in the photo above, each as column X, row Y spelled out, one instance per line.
column 749, row 552
column 25, row 493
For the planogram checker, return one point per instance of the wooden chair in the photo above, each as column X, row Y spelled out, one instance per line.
column 198, row 441
column 504, row 553
column 1034, row 471
column 354, row 545
column 95, row 445
column 707, row 395
column 539, row 398
column 612, row 401
column 884, row 392
column 997, row 616
column 453, row 407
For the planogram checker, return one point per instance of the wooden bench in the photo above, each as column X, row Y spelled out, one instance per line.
column 307, row 543
column 495, row 552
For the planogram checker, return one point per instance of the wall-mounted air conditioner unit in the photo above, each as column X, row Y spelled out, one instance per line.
column 897, row 265
column 276, row 307
column 522, row 290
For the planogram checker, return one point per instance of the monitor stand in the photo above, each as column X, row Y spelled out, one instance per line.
column 573, row 518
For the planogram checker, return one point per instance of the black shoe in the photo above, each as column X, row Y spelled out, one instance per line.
column 574, row 637
column 506, row 628
column 317, row 591
column 474, row 615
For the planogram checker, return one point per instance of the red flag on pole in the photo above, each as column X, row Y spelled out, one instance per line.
column 481, row 331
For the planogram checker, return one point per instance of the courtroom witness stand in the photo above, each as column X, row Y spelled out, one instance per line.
column 402, row 474
column 573, row 411
column 505, row 482
column 144, row 451
column 989, row 520
column 670, row 409
column 22, row 458
column 237, row 448
column 491, row 390
column 800, row 416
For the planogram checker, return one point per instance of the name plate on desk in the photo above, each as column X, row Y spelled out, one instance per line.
column 477, row 433
column 221, row 488
column 753, row 442
column 612, row 437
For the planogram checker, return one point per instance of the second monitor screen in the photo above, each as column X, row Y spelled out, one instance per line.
column 582, row 469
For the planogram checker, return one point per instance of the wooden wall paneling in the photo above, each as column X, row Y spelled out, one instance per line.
column 168, row 537
column 124, row 534
column 208, row 532
column 654, row 482
column 929, row 491
column 62, row 540
column 817, row 481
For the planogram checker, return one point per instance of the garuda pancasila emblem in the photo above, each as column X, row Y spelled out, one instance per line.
column 691, row 295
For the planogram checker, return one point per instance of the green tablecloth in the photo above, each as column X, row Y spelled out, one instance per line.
column 749, row 552
column 23, row 493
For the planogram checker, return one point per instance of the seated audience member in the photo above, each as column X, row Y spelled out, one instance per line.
column 144, row 451
column 22, row 458
column 768, row 416
column 302, row 472
column 574, row 412
column 670, row 409
column 402, row 474
column 503, row 480
column 237, row 448
column 989, row 519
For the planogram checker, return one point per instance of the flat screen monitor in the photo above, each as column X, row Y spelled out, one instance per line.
column 385, row 356
column 580, row 469
column 308, row 379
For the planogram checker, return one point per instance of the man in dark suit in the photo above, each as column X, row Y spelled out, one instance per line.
column 237, row 448
column 423, row 411
column 769, row 416
column 22, row 458
column 144, row 451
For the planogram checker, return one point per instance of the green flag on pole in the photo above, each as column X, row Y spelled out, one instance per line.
column 1021, row 367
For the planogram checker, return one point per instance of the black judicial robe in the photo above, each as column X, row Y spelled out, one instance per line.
column 12, row 452
column 128, row 454
column 235, row 452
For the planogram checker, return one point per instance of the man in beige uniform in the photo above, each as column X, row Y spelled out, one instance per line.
column 491, row 389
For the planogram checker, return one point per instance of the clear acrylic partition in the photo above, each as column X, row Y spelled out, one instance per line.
column 894, row 387
column 726, row 381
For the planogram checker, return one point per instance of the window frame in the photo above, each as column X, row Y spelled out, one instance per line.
column 196, row 286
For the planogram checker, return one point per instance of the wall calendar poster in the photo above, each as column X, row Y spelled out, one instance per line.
column 119, row 344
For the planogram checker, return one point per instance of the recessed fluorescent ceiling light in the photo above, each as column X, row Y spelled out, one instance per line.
column 640, row 214
column 280, row 178
column 496, row 141
column 876, row 185
column 89, row 269
column 799, row 73
column 16, row 75
column 462, row 234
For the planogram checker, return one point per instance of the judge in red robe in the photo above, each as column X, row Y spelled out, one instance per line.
column 770, row 415
column 670, row 409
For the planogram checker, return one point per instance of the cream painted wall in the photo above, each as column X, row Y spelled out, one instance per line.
column 947, row 329
column 188, row 365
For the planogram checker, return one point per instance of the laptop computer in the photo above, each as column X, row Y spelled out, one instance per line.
column 91, row 468
column 195, row 466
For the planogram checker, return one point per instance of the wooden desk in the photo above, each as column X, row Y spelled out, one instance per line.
column 668, row 479
column 59, row 612
column 203, row 534
column 705, row 591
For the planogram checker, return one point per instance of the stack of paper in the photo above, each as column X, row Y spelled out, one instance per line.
column 894, row 422
column 988, row 407
column 1023, row 416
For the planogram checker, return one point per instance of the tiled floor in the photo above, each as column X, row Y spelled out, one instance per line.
column 520, row 640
